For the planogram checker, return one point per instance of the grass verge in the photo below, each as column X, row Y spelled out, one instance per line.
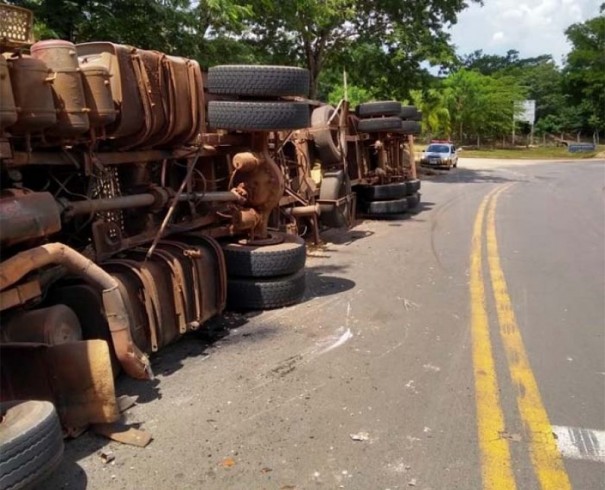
column 522, row 153
column 539, row 153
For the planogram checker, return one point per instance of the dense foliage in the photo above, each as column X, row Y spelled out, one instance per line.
column 476, row 100
column 383, row 45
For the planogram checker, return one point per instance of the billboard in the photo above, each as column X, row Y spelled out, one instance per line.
column 525, row 111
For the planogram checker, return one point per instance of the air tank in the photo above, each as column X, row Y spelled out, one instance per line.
column 31, row 80
column 68, row 90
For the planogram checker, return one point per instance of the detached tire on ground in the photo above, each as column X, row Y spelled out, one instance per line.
column 380, row 124
column 381, row 192
column 412, row 186
column 264, row 294
column 258, row 80
column 31, row 443
column 260, row 116
column 394, row 206
column 280, row 259
column 379, row 108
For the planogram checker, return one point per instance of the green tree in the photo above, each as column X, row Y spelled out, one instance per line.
column 481, row 106
column 489, row 64
column 436, row 120
column 194, row 29
column 356, row 95
column 540, row 77
column 386, row 36
column 584, row 72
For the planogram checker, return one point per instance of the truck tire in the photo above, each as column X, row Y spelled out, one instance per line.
column 380, row 124
column 413, row 200
column 412, row 186
column 258, row 80
column 31, row 443
column 334, row 185
column 381, row 192
column 410, row 127
column 324, row 138
column 265, row 293
column 409, row 113
column 280, row 259
column 417, row 117
column 393, row 206
column 260, row 116
column 379, row 108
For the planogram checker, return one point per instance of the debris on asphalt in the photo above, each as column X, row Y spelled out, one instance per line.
column 412, row 482
column 228, row 462
column 511, row 437
column 266, row 470
column 360, row 436
column 125, row 402
column 410, row 385
column 106, row 456
column 122, row 433
column 407, row 304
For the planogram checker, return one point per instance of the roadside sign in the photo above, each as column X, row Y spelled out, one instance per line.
column 580, row 147
column 525, row 111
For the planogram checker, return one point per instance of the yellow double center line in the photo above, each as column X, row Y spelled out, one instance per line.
column 496, row 465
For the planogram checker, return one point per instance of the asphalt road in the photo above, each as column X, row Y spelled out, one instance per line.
column 452, row 360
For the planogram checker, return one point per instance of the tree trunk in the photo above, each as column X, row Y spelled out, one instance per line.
column 314, row 66
column 313, row 82
column 314, row 52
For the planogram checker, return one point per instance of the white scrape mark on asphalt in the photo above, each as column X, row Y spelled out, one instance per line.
column 579, row 443
column 431, row 367
column 342, row 338
column 340, row 341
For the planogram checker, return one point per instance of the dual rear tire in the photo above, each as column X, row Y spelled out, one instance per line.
column 263, row 86
column 388, row 199
column 388, row 116
column 265, row 277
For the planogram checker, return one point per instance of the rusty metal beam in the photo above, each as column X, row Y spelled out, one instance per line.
column 122, row 202
column 19, row 294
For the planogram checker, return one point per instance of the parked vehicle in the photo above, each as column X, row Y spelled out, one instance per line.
column 440, row 154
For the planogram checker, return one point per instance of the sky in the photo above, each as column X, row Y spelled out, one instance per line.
column 532, row 27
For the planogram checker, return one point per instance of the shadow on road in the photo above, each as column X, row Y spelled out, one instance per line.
column 344, row 236
column 466, row 176
column 320, row 284
column 69, row 474
column 408, row 215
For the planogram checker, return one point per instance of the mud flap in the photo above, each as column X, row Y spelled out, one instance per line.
column 76, row 377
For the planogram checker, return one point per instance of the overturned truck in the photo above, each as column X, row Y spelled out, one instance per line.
column 139, row 196
column 135, row 190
